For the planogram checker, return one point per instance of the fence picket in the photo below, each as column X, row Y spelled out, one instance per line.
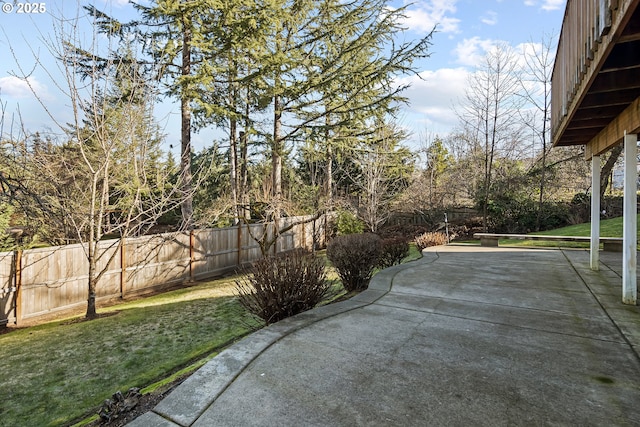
column 48, row 280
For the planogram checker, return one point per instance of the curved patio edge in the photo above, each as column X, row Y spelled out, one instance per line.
column 189, row 400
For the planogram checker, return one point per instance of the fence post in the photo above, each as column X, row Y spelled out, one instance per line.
column 314, row 235
column 18, row 283
column 123, row 269
column 304, row 234
column 324, row 243
column 239, row 242
column 275, row 237
column 18, row 308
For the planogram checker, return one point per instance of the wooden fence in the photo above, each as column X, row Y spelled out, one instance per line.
column 37, row 283
column 431, row 217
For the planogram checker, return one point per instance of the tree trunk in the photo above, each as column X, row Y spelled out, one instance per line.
column 91, row 299
column 276, row 161
column 329, row 159
column 233, row 169
column 233, row 140
column 276, row 156
column 276, row 171
column 605, row 172
column 432, row 172
column 485, row 189
column 329, row 178
column 541, row 188
column 91, row 250
column 244, row 175
column 185, row 153
column 543, row 174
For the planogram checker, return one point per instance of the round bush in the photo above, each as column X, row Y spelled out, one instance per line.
column 348, row 223
column 355, row 256
column 282, row 286
column 394, row 250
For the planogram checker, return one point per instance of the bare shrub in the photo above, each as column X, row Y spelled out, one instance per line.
column 426, row 240
column 283, row 286
column 355, row 256
column 394, row 250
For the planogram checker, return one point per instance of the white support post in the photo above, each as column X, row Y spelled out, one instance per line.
column 595, row 212
column 630, row 223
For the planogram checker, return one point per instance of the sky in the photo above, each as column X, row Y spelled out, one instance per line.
column 465, row 31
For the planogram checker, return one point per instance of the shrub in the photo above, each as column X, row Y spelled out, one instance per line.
column 348, row 223
column 522, row 215
column 426, row 240
column 282, row 286
column 6, row 241
column 394, row 250
column 355, row 256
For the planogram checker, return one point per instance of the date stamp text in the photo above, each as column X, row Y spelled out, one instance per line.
column 23, row 7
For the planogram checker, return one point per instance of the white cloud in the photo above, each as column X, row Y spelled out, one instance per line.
column 490, row 18
column 433, row 94
column 423, row 16
column 470, row 52
column 553, row 4
column 547, row 5
column 117, row 3
column 17, row 88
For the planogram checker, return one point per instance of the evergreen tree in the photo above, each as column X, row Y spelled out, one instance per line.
column 232, row 48
column 349, row 77
column 170, row 28
column 6, row 241
column 323, row 69
column 438, row 160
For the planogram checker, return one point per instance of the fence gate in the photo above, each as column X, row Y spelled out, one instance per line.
column 8, row 294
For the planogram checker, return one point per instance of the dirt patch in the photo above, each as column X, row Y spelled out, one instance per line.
column 146, row 403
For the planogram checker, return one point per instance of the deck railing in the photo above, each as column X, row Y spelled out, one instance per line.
column 584, row 25
column 585, row 35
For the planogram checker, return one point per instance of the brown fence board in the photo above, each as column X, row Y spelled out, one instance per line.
column 7, row 288
column 55, row 278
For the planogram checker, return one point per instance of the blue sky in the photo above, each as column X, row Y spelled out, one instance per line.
column 466, row 30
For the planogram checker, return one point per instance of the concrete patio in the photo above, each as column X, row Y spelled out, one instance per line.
column 465, row 336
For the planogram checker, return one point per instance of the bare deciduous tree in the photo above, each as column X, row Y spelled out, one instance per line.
column 489, row 114
column 101, row 178
column 383, row 171
column 536, row 89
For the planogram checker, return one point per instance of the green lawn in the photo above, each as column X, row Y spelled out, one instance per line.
column 57, row 372
column 608, row 228
column 414, row 253
column 60, row 372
